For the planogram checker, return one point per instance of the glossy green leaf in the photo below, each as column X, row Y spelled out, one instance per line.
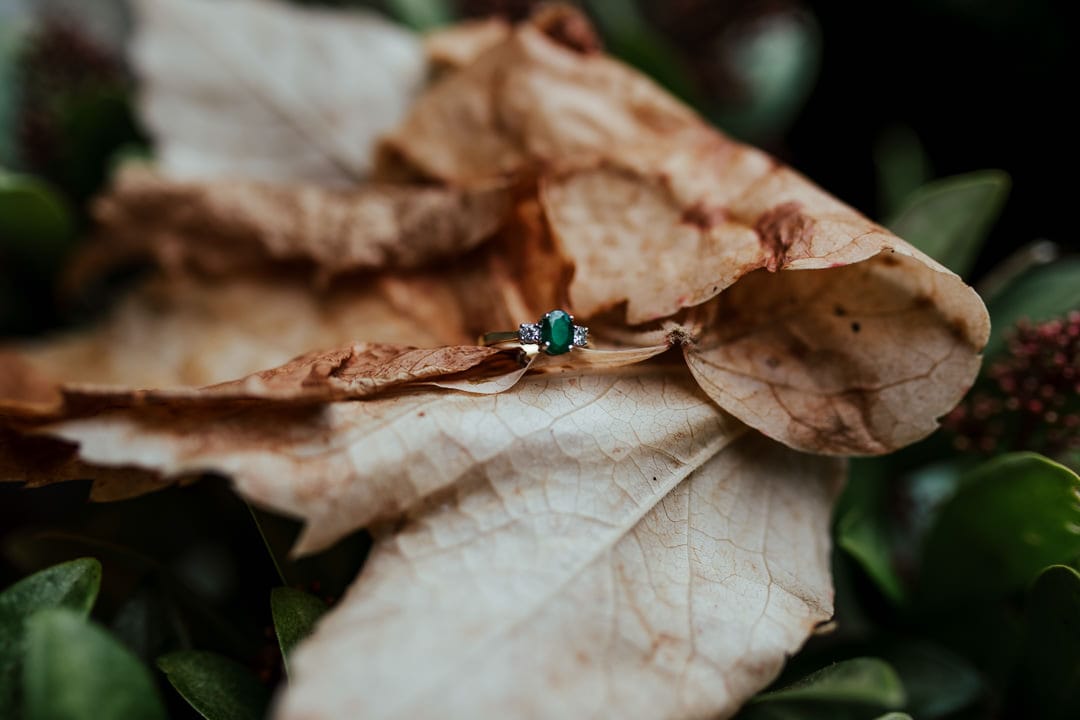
column 894, row 716
column 295, row 613
column 863, row 681
column 938, row 682
column 949, row 219
column 1052, row 659
column 74, row 670
column 36, row 228
column 1011, row 517
column 902, row 167
column 1042, row 293
column 421, row 14
column 217, row 687
column 862, row 528
column 72, row 585
column 861, row 536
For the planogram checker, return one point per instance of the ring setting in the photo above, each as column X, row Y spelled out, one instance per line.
column 555, row 334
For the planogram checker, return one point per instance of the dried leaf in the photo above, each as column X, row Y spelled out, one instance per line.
column 455, row 46
column 644, row 596
column 651, row 561
column 306, row 460
column 860, row 359
column 657, row 213
column 223, row 228
column 269, row 91
column 544, row 94
column 190, row 333
column 321, row 376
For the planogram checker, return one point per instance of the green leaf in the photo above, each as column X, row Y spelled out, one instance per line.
column 862, row 681
column 295, row 613
column 862, row 528
column 1042, row 293
column 902, row 167
column 73, row 585
column 217, row 687
column 949, row 219
column 75, row 670
column 12, row 32
column 36, row 228
column 421, row 14
column 1052, row 659
column 938, row 682
column 894, row 716
column 1011, row 517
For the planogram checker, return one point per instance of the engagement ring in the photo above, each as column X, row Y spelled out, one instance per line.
column 555, row 334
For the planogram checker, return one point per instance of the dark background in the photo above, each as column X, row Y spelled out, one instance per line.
column 982, row 84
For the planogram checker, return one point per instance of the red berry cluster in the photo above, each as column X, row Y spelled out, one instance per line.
column 59, row 66
column 1030, row 398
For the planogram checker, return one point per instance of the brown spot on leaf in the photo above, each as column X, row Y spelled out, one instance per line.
column 779, row 229
column 855, row 327
column 569, row 28
column 704, row 217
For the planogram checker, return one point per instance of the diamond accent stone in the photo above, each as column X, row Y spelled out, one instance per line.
column 529, row 333
column 581, row 336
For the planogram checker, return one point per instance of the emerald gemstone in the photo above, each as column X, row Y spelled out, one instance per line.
column 556, row 332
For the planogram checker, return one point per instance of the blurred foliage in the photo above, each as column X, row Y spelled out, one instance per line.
column 855, row 688
column 957, row 589
column 295, row 613
column 217, row 687
column 74, row 669
column 949, row 219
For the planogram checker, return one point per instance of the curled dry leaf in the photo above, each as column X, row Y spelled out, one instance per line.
column 858, row 359
column 265, row 90
column 529, row 100
column 656, row 213
column 225, row 228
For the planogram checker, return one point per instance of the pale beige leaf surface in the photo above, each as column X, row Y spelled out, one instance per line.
column 270, row 91
column 548, row 594
column 579, row 545
column 225, row 227
column 343, row 465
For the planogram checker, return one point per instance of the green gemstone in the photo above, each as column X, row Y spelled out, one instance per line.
column 556, row 332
